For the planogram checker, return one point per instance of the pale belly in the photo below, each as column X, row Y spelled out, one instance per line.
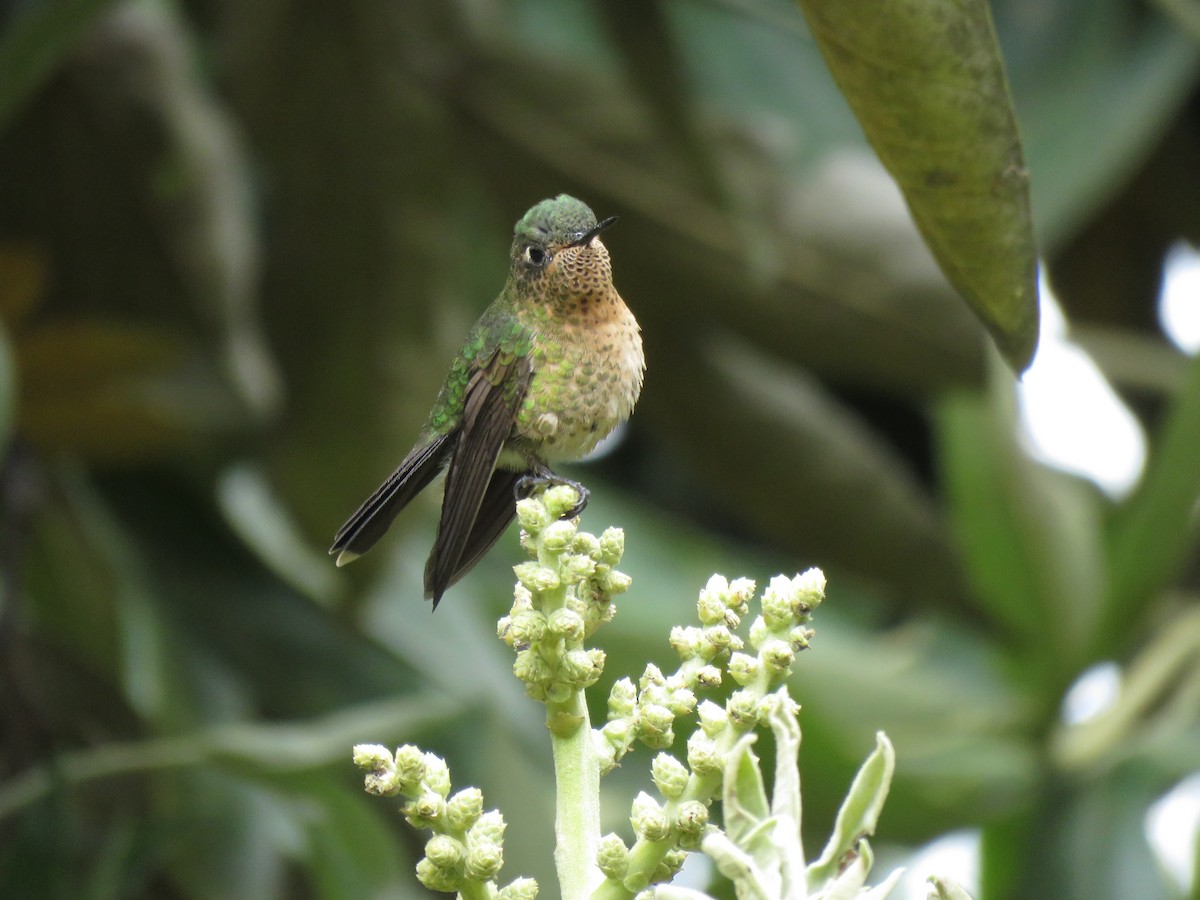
column 579, row 393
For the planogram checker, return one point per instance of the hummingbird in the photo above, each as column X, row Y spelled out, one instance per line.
column 549, row 370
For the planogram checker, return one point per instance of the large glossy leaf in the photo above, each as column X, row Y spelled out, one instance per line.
column 927, row 82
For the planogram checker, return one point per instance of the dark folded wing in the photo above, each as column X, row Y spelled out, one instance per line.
column 494, row 393
column 372, row 519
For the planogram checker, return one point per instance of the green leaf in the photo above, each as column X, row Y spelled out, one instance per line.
column 946, row 889
column 859, row 813
column 1154, row 535
column 33, row 43
column 927, row 83
column 744, row 799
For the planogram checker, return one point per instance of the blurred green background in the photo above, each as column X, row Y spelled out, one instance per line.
column 241, row 241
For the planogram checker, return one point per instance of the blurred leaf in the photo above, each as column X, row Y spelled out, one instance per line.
column 859, row 813
column 8, row 387
column 1154, row 534
column 926, row 80
column 33, row 43
column 1031, row 538
column 24, row 277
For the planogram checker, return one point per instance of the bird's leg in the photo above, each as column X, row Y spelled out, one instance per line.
column 540, row 475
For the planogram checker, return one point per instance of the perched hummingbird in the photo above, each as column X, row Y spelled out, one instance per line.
column 551, row 367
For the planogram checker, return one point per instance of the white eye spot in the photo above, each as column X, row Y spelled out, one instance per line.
column 535, row 255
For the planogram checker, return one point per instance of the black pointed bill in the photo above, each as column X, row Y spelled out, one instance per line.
column 586, row 238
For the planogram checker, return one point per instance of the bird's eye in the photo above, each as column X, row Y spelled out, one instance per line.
column 535, row 255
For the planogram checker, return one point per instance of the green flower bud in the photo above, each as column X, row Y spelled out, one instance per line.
column 464, row 808
column 670, row 865
column 437, row 879
column 708, row 677
column 713, row 718
column 612, row 546
column 558, row 691
column 716, row 589
column 799, row 637
column 759, row 632
column 621, row 698
column 524, row 628
column 587, row 545
column 558, row 536
column 809, row 587
column 648, row 819
column 535, row 577
column 777, row 656
column 519, row 889
column 743, row 709
column 711, row 608
column 651, row 677
column 437, row 774
column 489, row 827
column 425, row 810
column 686, row 641
column 702, row 756
column 532, row 515
column 743, row 668
column 560, row 498
column 410, row 765
column 670, row 776
column 612, row 857
column 717, row 640
column 654, row 726
column 372, row 757
column 484, row 862
column 530, row 668
column 691, row 817
column 777, row 603
column 579, row 667
column 739, row 594
column 444, row 851
column 616, row 583
column 566, row 624
column 577, row 568
column 681, row 702
column 618, row 733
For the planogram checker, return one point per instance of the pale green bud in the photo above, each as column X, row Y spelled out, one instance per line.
column 652, row 676
column 615, row 583
column 743, row 709
column 686, row 641
column 708, row 677
column 425, row 810
column 777, row 607
column 579, row 667
column 558, row 536
column 525, row 628
column 670, row 865
column 519, row 889
column 444, row 851
column 777, row 655
column 558, row 691
column 713, row 718
column 741, row 590
column 621, row 698
column 810, row 590
column 691, row 817
column 464, row 808
column 532, row 515
column 703, row 757
column 566, row 624
column 578, row 567
column 410, row 765
column 612, row 546
column 484, row 862
column 438, row 879
column 717, row 640
column 530, row 668
column 743, row 668
column 587, row 544
column 612, row 857
column 618, row 732
column 489, row 827
column 670, row 776
column 437, row 774
column 711, row 608
column 682, row 701
column 649, row 820
column 654, row 726
column 799, row 637
column 560, row 498
column 759, row 632
column 715, row 589
column 372, row 757
column 535, row 577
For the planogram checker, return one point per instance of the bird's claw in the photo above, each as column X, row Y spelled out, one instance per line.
column 527, row 484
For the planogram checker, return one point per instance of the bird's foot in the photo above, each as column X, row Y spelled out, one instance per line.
column 543, row 478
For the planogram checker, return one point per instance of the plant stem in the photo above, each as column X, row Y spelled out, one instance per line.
column 577, row 816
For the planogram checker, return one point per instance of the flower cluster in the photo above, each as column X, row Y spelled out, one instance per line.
column 466, row 849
